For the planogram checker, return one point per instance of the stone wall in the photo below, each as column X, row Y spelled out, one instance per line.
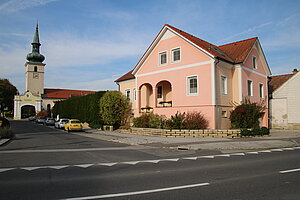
column 232, row 133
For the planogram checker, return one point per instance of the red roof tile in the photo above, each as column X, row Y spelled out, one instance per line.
column 126, row 76
column 63, row 93
column 238, row 51
column 208, row 47
column 279, row 80
column 235, row 52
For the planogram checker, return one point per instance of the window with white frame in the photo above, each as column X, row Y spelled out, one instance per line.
column 254, row 62
column 223, row 84
column 134, row 94
column 176, row 55
column 127, row 94
column 163, row 58
column 261, row 90
column 192, row 85
column 250, row 88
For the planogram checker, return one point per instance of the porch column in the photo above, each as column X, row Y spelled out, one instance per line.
column 17, row 109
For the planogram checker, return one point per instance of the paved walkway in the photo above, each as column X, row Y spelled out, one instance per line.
column 277, row 139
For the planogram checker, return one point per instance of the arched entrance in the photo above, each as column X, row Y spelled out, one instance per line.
column 146, row 98
column 164, row 94
column 27, row 111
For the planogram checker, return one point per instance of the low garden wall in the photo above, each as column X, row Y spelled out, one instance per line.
column 232, row 133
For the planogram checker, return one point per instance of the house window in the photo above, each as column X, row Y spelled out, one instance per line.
column 192, row 85
column 134, row 94
column 254, row 62
column 127, row 94
column 163, row 58
column 223, row 84
column 35, row 69
column 250, row 88
column 224, row 114
column 159, row 92
column 261, row 90
column 176, row 55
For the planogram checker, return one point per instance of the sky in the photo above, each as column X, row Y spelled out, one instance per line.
column 90, row 43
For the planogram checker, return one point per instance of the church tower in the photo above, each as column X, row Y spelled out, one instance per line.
column 35, row 67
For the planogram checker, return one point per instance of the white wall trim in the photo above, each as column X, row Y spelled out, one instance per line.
column 175, row 68
column 250, row 70
column 240, row 83
column 213, row 83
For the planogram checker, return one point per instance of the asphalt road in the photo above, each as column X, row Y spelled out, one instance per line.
column 61, row 166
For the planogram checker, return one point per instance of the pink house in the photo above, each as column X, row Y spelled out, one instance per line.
column 180, row 72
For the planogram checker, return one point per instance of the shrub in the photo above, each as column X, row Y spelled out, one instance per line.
column 177, row 121
column 114, row 108
column 149, row 120
column 255, row 131
column 5, row 123
column 195, row 120
column 247, row 115
column 6, row 133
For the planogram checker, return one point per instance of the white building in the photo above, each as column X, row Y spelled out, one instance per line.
column 285, row 101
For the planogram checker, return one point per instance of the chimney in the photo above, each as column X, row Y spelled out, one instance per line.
column 295, row 71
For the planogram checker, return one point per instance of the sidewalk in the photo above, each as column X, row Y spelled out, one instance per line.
column 277, row 139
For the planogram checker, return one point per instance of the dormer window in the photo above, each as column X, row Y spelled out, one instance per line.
column 176, row 55
column 163, row 58
column 254, row 62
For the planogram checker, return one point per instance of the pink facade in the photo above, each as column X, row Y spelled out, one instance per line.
column 181, row 73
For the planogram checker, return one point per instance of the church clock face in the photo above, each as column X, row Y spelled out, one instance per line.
column 36, row 75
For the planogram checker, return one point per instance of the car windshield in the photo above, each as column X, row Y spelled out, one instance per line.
column 75, row 122
column 65, row 121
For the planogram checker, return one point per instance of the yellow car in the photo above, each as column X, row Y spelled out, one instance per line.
column 73, row 125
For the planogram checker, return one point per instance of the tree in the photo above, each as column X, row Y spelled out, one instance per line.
column 115, row 109
column 7, row 93
column 247, row 114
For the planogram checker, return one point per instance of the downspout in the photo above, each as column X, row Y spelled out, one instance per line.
column 217, row 60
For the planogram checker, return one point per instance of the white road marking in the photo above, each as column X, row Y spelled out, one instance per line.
column 276, row 150
column 252, row 152
column 154, row 161
column 139, row 192
column 150, row 161
column 265, row 151
column 237, row 154
column 289, row 171
column 222, row 155
column 206, row 157
column 84, row 165
column 190, row 158
column 58, row 167
column 288, row 149
column 107, row 164
column 171, row 159
column 6, row 169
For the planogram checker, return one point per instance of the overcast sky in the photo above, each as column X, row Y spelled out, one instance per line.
column 90, row 43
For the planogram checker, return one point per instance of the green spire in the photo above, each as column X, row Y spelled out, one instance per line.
column 35, row 55
column 36, row 39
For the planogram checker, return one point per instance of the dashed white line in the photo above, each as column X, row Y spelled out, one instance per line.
column 151, row 161
column 289, row 171
column 140, row 192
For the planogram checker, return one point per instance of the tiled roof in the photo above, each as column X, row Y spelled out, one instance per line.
column 126, row 76
column 277, row 81
column 238, row 51
column 64, row 94
column 210, row 48
column 235, row 52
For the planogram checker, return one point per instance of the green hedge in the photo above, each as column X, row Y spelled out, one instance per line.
column 85, row 108
column 255, row 131
column 4, row 123
column 6, row 133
